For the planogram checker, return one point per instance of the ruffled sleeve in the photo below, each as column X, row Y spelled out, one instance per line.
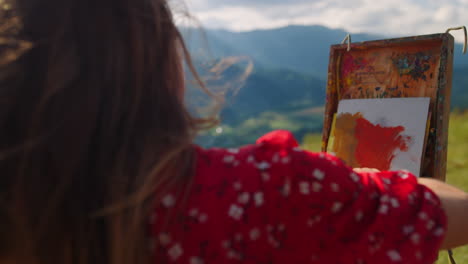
column 279, row 138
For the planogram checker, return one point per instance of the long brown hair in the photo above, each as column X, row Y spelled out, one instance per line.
column 92, row 122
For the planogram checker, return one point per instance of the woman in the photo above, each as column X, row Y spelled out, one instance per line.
column 98, row 163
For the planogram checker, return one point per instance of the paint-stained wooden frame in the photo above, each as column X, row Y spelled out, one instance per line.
column 418, row 66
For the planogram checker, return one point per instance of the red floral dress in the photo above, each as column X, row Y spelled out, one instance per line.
column 275, row 203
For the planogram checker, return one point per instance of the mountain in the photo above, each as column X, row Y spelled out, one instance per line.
column 259, row 100
column 460, row 88
column 278, row 90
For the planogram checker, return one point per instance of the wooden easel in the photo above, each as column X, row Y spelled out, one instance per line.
column 419, row 66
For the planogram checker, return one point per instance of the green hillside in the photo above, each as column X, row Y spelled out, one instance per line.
column 267, row 99
column 250, row 129
column 275, row 90
column 460, row 87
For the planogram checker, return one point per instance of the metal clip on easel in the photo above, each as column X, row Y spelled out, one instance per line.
column 347, row 40
column 464, row 31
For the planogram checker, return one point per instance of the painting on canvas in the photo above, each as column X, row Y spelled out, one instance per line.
column 386, row 134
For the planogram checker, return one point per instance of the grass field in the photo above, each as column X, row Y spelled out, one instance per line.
column 457, row 166
column 457, row 169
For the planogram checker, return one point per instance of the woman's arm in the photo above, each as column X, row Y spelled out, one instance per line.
column 455, row 203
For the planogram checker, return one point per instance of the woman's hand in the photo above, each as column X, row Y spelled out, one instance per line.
column 363, row 170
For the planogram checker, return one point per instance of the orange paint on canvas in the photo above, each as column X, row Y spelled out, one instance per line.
column 362, row 144
column 378, row 145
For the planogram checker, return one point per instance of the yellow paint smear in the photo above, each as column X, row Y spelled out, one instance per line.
column 344, row 141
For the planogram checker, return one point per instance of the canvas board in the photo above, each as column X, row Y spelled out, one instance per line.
column 386, row 134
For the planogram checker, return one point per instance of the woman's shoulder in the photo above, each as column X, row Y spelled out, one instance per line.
column 274, row 147
column 277, row 152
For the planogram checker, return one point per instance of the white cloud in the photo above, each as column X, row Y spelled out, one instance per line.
column 387, row 17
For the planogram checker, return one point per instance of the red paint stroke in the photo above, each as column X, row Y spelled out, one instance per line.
column 377, row 145
column 352, row 64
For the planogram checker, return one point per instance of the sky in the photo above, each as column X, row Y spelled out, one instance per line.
column 385, row 17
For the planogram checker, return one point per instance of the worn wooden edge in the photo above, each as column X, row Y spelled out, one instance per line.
column 443, row 102
column 391, row 41
column 331, row 100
